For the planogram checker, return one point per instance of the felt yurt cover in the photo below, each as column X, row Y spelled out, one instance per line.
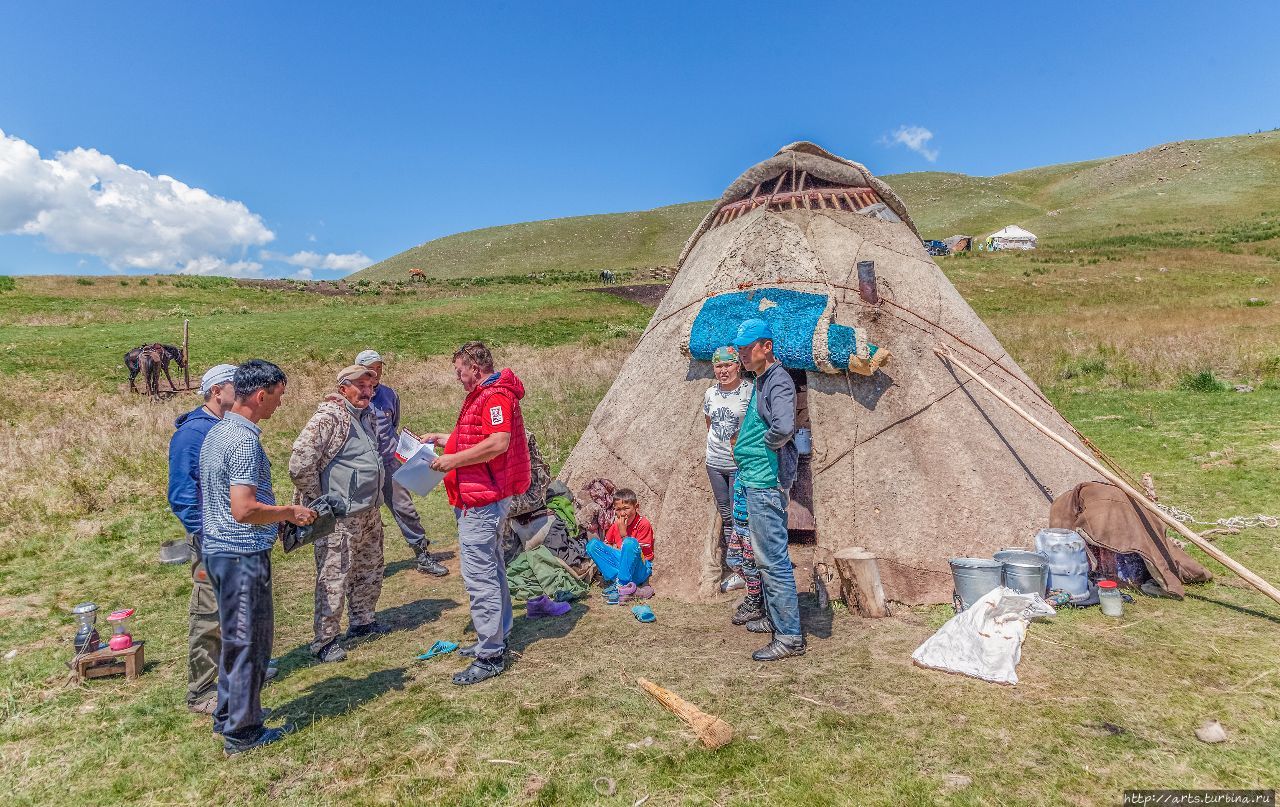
column 908, row 461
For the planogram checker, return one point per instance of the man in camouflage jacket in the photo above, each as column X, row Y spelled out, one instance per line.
column 337, row 454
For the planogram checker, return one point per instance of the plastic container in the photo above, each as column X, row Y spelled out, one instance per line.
column 804, row 442
column 1109, row 598
column 974, row 578
column 1023, row 571
column 1068, row 563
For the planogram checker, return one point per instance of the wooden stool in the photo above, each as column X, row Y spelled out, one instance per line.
column 106, row 662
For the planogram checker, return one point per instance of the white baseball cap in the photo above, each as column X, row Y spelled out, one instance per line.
column 220, row 374
column 367, row 357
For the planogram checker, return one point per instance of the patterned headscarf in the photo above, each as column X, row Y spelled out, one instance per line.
column 725, row 354
column 598, row 516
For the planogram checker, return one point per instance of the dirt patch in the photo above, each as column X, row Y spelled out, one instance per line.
column 649, row 294
column 324, row 288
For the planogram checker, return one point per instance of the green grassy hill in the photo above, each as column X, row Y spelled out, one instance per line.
column 1177, row 194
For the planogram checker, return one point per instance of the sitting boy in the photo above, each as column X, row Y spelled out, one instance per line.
column 625, row 556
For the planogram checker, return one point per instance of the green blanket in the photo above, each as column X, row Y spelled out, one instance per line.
column 537, row 571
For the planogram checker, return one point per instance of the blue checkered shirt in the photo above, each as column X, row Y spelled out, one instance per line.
column 232, row 455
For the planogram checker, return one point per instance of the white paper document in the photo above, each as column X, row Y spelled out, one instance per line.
column 416, row 473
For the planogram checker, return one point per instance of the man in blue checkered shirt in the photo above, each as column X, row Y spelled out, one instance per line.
column 241, row 520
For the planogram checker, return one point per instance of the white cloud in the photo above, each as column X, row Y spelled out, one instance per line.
column 209, row 265
column 341, row 262
column 303, row 274
column 915, row 138
column 83, row 201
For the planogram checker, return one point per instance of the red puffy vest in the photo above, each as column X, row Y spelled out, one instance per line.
column 507, row 474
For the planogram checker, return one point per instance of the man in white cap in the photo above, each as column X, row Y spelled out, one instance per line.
column 203, row 635
column 386, row 405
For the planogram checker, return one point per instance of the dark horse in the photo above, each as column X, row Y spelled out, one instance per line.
column 161, row 356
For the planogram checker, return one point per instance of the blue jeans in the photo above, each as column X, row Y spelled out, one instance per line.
column 484, row 576
column 767, row 520
column 624, row 565
column 242, row 586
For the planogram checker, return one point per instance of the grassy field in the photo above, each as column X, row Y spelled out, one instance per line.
column 1102, row 706
column 1137, row 332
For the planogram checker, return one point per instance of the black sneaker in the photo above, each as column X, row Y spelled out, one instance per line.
column 746, row 612
column 778, row 650
column 429, row 565
column 267, row 737
column 482, row 669
column 371, row 629
column 330, row 652
column 761, row 625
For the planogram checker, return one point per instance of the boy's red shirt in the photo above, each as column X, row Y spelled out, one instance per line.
column 640, row 529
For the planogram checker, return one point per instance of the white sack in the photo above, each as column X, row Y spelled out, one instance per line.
column 985, row 640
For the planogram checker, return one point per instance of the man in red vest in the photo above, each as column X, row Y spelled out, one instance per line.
column 486, row 460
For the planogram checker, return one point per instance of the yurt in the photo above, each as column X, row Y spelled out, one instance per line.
column 910, row 459
column 1012, row 237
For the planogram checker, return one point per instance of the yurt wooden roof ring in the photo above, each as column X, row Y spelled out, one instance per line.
column 802, row 175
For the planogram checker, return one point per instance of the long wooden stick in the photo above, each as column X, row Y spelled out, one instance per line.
column 1208, row 548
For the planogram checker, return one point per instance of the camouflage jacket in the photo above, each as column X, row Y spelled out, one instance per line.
column 317, row 446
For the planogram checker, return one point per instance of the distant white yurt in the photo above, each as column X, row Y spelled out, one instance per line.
column 1012, row 237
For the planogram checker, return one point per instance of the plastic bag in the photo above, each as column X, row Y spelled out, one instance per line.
column 985, row 640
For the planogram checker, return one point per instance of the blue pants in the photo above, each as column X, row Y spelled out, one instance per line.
column 484, row 576
column 767, row 520
column 242, row 586
column 624, row 565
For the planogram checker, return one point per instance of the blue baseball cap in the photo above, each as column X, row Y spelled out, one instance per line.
column 751, row 331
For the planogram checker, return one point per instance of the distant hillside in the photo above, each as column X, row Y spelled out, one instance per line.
column 1171, row 192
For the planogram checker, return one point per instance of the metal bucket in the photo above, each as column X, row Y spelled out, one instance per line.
column 1023, row 571
column 974, row 578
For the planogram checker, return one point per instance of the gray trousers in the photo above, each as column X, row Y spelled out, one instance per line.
column 483, row 575
column 400, row 502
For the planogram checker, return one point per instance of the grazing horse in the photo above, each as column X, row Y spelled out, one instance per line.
column 150, row 359
column 416, row 275
column 607, row 278
column 163, row 354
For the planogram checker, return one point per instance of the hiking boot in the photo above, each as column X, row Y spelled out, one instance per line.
column 732, row 583
column 778, row 650
column 207, row 706
column 429, row 565
column 330, row 652
column 267, row 737
column 761, row 625
column 482, row 669
column 747, row 611
column 371, row 629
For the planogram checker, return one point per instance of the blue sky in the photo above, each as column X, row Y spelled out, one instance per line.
column 313, row 137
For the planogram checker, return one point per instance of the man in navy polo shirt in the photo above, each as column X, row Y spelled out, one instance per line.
column 240, row 519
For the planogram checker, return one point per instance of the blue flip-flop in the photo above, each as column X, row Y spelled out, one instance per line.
column 439, row 649
column 643, row 613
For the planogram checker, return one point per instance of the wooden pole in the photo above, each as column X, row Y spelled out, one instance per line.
column 860, row 582
column 1182, row 529
column 186, row 354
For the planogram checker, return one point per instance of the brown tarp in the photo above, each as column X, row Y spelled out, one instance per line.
column 1105, row 516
